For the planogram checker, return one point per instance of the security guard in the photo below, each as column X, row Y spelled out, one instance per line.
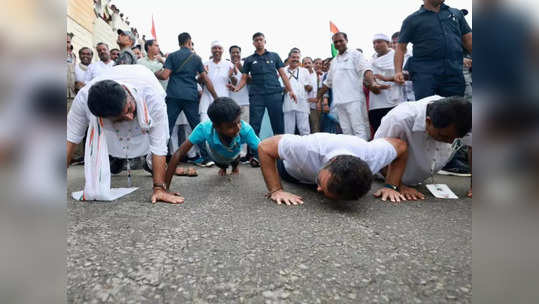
column 265, row 91
column 438, row 34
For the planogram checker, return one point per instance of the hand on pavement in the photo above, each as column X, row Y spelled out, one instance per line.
column 160, row 195
column 389, row 194
column 283, row 197
column 411, row 193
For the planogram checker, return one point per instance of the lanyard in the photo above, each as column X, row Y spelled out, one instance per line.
column 291, row 74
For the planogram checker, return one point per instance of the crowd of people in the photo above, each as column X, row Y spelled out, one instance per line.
column 338, row 122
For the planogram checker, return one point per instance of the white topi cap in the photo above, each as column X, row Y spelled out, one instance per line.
column 216, row 43
column 381, row 37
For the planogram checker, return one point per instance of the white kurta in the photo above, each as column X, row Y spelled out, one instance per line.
column 316, row 83
column 80, row 74
column 391, row 97
column 97, row 68
column 126, row 138
column 218, row 74
column 298, row 78
column 241, row 97
column 345, row 77
column 425, row 155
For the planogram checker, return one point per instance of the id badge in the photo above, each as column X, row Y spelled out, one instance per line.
column 441, row 191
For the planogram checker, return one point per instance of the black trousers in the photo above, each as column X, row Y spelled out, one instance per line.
column 375, row 117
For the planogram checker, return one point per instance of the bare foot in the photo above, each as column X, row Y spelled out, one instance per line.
column 222, row 172
column 235, row 171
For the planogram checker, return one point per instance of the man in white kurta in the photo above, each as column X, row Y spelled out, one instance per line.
column 348, row 71
column 99, row 67
column 218, row 70
column 429, row 147
column 384, row 70
column 313, row 69
column 296, row 113
column 81, row 68
column 242, row 96
column 125, row 136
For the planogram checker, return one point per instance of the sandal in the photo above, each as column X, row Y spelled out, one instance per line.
column 181, row 171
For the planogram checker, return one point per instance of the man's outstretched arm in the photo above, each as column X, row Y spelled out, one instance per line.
column 394, row 173
column 173, row 163
column 160, row 192
column 268, row 152
column 69, row 153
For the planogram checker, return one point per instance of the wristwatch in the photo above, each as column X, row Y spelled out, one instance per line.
column 390, row 186
column 160, row 185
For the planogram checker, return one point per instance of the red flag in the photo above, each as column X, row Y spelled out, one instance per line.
column 153, row 30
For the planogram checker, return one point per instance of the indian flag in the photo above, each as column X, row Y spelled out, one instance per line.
column 333, row 29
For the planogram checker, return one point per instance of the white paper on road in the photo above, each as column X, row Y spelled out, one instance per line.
column 441, row 191
column 115, row 193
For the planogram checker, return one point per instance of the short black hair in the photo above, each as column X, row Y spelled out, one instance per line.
column 395, row 35
column 351, row 177
column 258, row 34
column 340, row 33
column 223, row 109
column 183, row 38
column 115, row 49
column 233, row 47
column 136, row 47
column 85, row 48
column 451, row 110
column 307, row 57
column 294, row 51
column 148, row 43
column 106, row 98
column 102, row 43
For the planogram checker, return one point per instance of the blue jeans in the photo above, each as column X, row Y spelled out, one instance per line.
column 190, row 108
column 426, row 85
column 257, row 106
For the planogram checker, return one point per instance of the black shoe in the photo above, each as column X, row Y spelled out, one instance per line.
column 455, row 172
column 205, row 163
column 255, row 163
column 116, row 165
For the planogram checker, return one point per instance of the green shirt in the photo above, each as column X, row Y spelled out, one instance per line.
column 154, row 66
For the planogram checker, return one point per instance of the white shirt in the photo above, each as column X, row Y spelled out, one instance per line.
column 316, row 83
column 242, row 96
column 389, row 98
column 80, row 74
column 97, row 68
column 407, row 122
column 345, row 77
column 218, row 74
column 298, row 78
column 304, row 156
column 145, row 84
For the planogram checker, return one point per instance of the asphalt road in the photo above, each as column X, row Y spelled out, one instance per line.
column 228, row 244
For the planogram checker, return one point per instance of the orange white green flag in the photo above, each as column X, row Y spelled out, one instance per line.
column 333, row 29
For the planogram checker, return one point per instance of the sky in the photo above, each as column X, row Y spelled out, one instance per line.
column 285, row 24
